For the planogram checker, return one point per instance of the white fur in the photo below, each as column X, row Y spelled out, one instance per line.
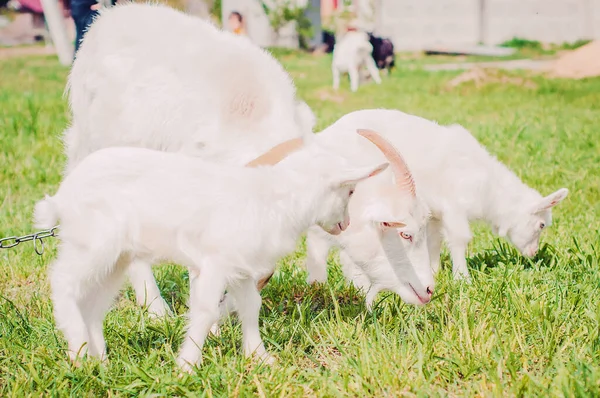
column 149, row 76
column 378, row 253
column 388, row 261
column 352, row 52
column 227, row 224
column 458, row 180
column 125, row 93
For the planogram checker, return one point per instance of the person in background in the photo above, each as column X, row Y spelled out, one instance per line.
column 236, row 23
column 83, row 13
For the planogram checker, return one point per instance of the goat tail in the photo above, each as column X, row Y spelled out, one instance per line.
column 45, row 214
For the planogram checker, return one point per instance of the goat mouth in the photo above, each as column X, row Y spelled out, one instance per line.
column 529, row 252
column 337, row 229
column 421, row 299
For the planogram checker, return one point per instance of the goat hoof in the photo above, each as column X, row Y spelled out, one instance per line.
column 465, row 278
column 76, row 362
column 76, row 358
column 316, row 280
column 215, row 330
column 265, row 358
column 185, row 366
column 159, row 309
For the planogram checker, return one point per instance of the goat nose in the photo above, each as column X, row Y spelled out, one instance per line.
column 429, row 291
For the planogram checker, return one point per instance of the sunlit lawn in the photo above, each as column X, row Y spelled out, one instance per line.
column 521, row 328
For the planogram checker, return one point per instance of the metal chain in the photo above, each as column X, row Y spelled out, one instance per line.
column 37, row 238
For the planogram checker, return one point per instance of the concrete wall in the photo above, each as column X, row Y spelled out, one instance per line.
column 415, row 24
column 554, row 21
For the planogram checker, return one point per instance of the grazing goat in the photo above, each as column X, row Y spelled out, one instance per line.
column 227, row 224
column 459, row 181
column 385, row 211
column 149, row 76
column 351, row 53
column 383, row 52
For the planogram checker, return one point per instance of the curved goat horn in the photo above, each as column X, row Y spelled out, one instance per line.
column 402, row 174
column 277, row 153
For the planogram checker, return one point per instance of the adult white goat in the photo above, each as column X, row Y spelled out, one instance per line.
column 227, row 224
column 152, row 76
column 459, row 181
column 149, row 76
column 350, row 54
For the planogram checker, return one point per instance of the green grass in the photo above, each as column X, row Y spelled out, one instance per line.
column 522, row 328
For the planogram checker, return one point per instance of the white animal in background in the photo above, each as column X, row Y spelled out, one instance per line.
column 227, row 224
column 459, row 181
column 149, row 76
column 350, row 54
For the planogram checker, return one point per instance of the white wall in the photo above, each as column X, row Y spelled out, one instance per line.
column 553, row 21
column 415, row 24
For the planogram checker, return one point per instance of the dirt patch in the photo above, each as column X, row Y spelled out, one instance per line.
column 578, row 64
column 327, row 95
column 13, row 52
column 482, row 77
column 540, row 65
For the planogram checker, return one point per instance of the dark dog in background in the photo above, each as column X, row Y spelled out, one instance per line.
column 383, row 49
column 383, row 52
column 328, row 41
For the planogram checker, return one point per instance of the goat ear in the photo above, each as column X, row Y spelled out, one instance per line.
column 392, row 224
column 277, row 153
column 551, row 200
column 355, row 176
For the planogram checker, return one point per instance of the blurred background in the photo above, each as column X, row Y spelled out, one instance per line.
column 425, row 25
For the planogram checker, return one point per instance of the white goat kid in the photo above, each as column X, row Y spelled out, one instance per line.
column 385, row 211
column 350, row 54
column 227, row 224
column 206, row 93
column 459, row 181
column 387, row 239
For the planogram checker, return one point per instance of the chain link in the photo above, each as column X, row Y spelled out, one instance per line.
column 37, row 238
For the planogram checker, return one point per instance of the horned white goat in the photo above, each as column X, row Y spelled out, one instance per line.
column 227, row 224
column 385, row 211
column 149, row 76
column 350, row 54
column 459, row 181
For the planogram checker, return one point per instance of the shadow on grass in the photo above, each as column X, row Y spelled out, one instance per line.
column 319, row 299
column 504, row 253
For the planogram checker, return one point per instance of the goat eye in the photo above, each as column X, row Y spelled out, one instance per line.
column 542, row 225
column 406, row 236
